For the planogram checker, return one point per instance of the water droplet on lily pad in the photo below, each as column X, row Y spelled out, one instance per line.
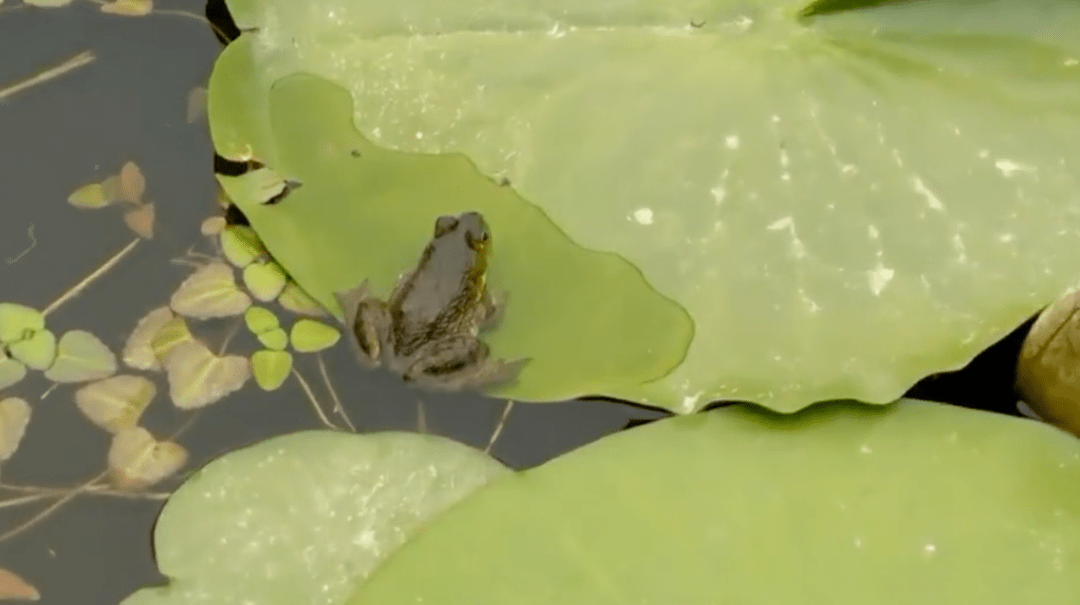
column 18, row 322
column 309, row 336
column 80, row 356
column 294, row 298
column 198, row 378
column 241, row 246
column 14, row 416
column 89, row 196
column 138, row 352
column 270, row 368
column 38, row 352
column 211, row 291
column 11, row 370
column 265, row 281
column 260, row 319
column 137, row 460
column 115, row 403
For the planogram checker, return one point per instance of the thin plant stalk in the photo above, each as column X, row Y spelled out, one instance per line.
column 498, row 429
column 89, row 279
column 338, row 408
column 83, row 58
column 314, row 402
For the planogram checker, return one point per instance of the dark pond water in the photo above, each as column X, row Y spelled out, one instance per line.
column 130, row 104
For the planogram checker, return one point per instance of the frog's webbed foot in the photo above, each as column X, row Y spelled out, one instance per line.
column 368, row 319
column 460, row 363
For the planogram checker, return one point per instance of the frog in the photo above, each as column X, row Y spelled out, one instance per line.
column 428, row 329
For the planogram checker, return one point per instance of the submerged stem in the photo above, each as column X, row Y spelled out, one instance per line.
column 314, row 402
column 75, row 62
column 338, row 408
column 498, row 429
column 89, row 279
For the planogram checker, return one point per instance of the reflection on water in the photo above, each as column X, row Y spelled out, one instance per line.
column 107, row 183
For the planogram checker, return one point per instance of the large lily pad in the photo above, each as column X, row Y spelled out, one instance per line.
column 298, row 518
column 840, row 504
column 843, row 205
column 571, row 310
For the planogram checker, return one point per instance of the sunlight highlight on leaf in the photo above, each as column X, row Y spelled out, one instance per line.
column 196, row 104
column 141, row 220
column 80, row 357
column 11, row 370
column 198, row 378
column 14, row 588
column 89, row 196
column 128, row 8
column 38, row 352
column 271, row 368
column 137, row 460
column 171, row 334
column 14, row 417
column 138, row 352
column 265, row 281
column 18, row 322
column 210, row 292
column 47, row 3
column 116, row 403
column 132, row 182
column 309, row 336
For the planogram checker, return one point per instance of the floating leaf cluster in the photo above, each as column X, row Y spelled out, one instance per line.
column 125, row 188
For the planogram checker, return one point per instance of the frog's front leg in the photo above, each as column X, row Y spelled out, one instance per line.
column 369, row 320
column 494, row 308
column 459, row 362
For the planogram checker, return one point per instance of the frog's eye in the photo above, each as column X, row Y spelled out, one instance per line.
column 444, row 225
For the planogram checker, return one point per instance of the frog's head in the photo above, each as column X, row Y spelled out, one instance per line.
column 468, row 225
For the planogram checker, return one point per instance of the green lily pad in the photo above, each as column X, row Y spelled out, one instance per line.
column 38, row 351
column 369, row 217
column 260, row 319
column 264, row 280
column 842, row 204
column 18, row 322
column 309, row 336
column 837, row 505
column 270, row 368
column 81, row 357
column 275, row 339
column 11, row 370
column 297, row 518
